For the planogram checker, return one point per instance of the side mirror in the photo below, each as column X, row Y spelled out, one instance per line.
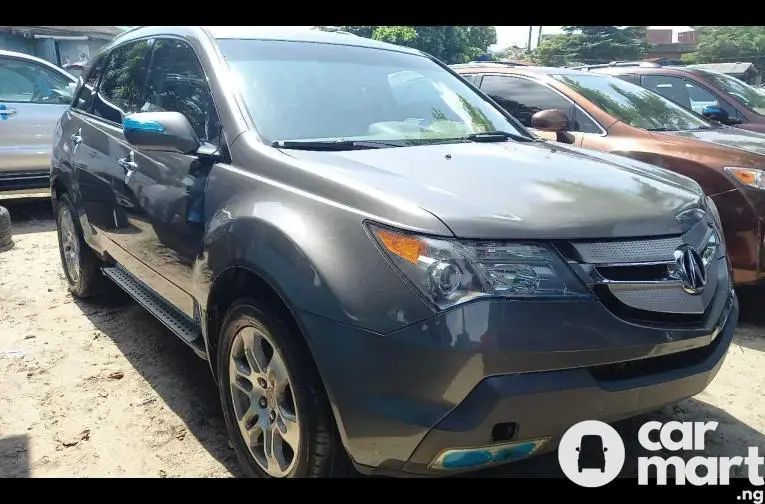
column 552, row 120
column 715, row 113
column 605, row 449
column 577, row 448
column 161, row 131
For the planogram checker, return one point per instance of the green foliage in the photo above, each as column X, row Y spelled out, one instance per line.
column 450, row 44
column 729, row 43
column 592, row 45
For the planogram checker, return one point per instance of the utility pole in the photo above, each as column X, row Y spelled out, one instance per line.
column 528, row 47
column 539, row 36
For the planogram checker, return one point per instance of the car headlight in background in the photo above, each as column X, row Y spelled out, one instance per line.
column 751, row 177
column 449, row 272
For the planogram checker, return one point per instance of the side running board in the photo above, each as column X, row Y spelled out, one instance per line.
column 178, row 322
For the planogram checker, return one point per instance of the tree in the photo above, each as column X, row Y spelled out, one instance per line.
column 451, row 44
column 592, row 45
column 729, row 43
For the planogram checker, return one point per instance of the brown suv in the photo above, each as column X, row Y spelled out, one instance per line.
column 715, row 95
column 600, row 112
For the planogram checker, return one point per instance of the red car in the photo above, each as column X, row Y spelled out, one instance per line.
column 717, row 96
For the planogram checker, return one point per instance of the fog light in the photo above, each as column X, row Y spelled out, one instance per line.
column 473, row 458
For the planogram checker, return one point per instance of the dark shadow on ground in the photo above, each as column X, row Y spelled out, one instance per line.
column 180, row 379
column 30, row 214
column 731, row 438
column 751, row 327
column 14, row 456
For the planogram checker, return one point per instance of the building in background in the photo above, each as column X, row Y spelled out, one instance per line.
column 657, row 36
column 61, row 45
column 664, row 46
column 688, row 37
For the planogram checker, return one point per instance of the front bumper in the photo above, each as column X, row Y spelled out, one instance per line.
column 504, row 371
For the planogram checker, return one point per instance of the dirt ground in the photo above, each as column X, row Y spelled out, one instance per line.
column 102, row 389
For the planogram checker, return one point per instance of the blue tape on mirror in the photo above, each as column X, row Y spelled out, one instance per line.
column 148, row 126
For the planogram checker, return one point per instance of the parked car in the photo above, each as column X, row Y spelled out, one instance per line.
column 717, row 96
column 601, row 112
column 33, row 95
column 382, row 270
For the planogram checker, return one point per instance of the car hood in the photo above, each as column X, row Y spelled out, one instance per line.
column 735, row 138
column 520, row 190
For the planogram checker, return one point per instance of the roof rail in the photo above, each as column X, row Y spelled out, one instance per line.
column 644, row 64
column 332, row 29
column 129, row 30
column 493, row 62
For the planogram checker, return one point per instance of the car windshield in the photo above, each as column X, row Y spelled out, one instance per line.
column 632, row 104
column 318, row 92
column 742, row 92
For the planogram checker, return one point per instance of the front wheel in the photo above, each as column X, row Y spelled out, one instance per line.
column 274, row 404
column 81, row 265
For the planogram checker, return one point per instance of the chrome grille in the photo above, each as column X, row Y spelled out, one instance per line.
column 641, row 251
column 628, row 251
column 639, row 274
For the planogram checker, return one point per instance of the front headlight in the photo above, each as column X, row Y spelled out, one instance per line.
column 449, row 272
column 751, row 177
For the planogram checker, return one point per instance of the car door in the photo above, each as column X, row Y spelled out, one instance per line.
column 96, row 141
column 523, row 97
column 169, row 188
column 32, row 98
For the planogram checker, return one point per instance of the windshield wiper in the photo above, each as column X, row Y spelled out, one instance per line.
column 497, row 136
column 331, row 145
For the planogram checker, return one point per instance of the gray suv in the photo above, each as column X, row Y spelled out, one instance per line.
column 384, row 270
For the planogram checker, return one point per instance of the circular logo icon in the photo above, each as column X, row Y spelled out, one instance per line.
column 591, row 454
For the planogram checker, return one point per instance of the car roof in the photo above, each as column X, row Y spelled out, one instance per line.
column 620, row 70
column 280, row 33
column 488, row 67
column 29, row 57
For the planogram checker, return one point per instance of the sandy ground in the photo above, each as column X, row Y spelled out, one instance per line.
column 102, row 389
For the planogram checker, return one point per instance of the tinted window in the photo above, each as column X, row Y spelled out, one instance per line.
column 583, row 124
column 740, row 91
column 523, row 98
column 176, row 83
column 471, row 77
column 296, row 90
column 121, row 87
column 86, row 93
column 634, row 105
column 633, row 78
column 24, row 81
column 672, row 88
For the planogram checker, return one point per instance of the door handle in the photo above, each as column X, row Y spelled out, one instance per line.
column 7, row 111
column 128, row 163
column 76, row 138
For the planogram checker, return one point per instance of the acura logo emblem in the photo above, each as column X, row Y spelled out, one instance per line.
column 689, row 268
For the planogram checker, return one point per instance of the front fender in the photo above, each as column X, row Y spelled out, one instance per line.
column 318, row 259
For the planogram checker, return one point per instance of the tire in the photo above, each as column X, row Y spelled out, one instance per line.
column 80, row 263
column 6, row 233
column 250, row 324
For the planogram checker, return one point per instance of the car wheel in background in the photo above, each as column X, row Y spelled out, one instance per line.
column 81, row 266
column 6, row 233
column 276, row 411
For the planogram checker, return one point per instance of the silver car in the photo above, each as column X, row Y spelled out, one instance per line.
column 33, row 95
